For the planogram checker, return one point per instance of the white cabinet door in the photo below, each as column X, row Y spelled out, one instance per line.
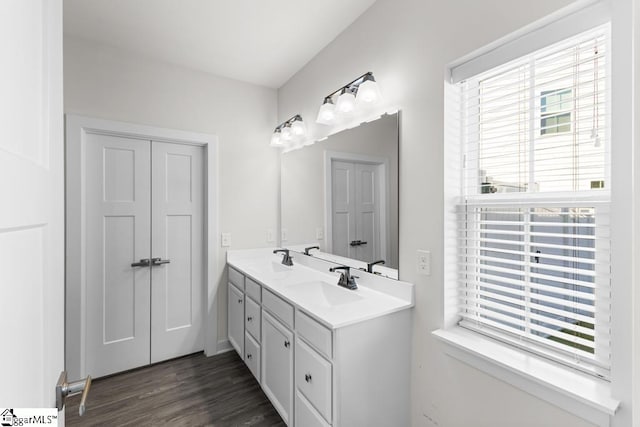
column 118, row 233
column 235, row 319
column 32, row 194
column 177, row 230
column 277, row 365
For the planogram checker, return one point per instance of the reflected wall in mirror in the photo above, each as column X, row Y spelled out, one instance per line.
column 342, row 194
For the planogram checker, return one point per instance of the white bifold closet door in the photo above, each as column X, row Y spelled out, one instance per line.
column 144, row 201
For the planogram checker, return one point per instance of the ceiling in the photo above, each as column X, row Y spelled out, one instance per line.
column 263, row 42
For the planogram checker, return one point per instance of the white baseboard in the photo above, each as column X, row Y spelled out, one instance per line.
column 223, row 346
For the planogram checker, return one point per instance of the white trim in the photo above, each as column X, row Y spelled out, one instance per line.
column 222, row 347
column 582, row 395
column 571, row 20
column 383, row 185
column 76, row 128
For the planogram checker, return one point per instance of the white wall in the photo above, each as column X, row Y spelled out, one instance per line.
column 110, row 84
column 407, row 44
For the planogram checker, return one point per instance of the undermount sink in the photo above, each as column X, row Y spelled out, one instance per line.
column 322, row 294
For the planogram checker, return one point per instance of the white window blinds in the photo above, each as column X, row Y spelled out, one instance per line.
column 533, row 218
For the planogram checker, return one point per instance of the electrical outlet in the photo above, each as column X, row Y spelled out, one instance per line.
column 283, row 235
column 270, row 236
column 319, row 233
column 423, row 262
column 225, row 240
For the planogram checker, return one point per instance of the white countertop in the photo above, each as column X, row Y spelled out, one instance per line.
column 309, row 286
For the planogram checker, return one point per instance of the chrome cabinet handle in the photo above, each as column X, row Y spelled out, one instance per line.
column 307, row 377
column 239, row 300
column 249, row 356
column 249, row 319
column 142, row 263
column 287, row 343
column 159, row 261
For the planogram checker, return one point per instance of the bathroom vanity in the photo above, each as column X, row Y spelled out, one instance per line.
column 323, row 354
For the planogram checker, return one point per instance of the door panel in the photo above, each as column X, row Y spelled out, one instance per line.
column 177, row 230
column 343, row 205
column 117, row 234
column 119, row 284
column 366, row 211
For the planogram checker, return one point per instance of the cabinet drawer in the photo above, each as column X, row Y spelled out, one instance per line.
column 252, row 355
column 252, row 318
column 253, row 289
column 315, row 334
column 313, row 378
column 306, row 415
column 277, row 306
column 236, row 278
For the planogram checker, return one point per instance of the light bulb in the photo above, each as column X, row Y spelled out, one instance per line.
column 368, row 91
column 327, row 113
column 346, row 101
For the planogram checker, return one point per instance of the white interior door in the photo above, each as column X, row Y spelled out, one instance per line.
column 32, row 194
column 366, row 211
column 177, row 239
column 343, row 226
column 355, row 198
column 118, row 233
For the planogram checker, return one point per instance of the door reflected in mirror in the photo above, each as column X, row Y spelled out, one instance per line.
column 341, row 194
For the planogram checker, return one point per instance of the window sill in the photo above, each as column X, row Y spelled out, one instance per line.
column 580, row 394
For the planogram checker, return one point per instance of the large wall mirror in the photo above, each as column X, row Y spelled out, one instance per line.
column 341, row 194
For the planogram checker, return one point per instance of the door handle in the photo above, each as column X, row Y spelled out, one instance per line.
column 355, row 243
column 159, row 261
column 65, row 389
column 141, row 263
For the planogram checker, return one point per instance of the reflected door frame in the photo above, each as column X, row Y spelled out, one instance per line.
column 383, row 185
column 77, row 128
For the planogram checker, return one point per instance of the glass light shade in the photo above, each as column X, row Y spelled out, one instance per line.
column 346, row 101
column 368, row 93
column 327, row 113
column 298, row 128
column 276, row 139
column 286, row 133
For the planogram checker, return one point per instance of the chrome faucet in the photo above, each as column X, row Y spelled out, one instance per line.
column 371, row 264
column 286, row 259
column 346, row 279
column 306, row 250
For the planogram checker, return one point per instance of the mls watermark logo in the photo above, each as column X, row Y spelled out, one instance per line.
column 28, row 417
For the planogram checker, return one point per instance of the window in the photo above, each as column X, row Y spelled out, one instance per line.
column 555, row 108
column 533, row 212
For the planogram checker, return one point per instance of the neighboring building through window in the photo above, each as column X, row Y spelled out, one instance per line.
column 555, row 108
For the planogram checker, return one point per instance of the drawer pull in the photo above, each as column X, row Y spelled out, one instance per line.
column 307, row 377
column 249, row 319
column 287, row 343
column 240, row 301
column 249, row 356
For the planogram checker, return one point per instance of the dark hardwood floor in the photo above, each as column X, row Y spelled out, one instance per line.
column 190, row 391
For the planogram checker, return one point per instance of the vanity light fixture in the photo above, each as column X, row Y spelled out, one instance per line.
column 292, row 131
column 359, row 94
